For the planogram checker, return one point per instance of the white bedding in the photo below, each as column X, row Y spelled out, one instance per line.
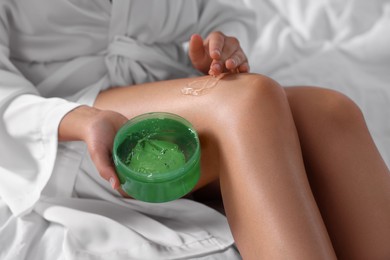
column 340, row 44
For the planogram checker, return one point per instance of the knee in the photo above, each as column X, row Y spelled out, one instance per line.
column 257, row 87
column 246, row 94
column 338, row 110
column 341, row 110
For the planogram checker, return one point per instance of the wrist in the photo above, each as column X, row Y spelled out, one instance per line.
column 74, row 124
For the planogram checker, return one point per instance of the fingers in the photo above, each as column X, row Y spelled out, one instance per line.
column 104, row 164
column 237, row 60
column 123, row 193
column 99, row 137
column 107, row 171
column 216, row 42
column 216, row 68
column 226, row 53
column 217, row 54
column 196, row 48
column 199, row 56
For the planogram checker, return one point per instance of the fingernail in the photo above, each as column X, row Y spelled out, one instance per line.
column 217, row 67
column 217, row 52
column 112, row 181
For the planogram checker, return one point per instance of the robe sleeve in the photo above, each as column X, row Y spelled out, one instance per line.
column 233, row 18
column 175, row 21
column 142, row 49
column 28, row 133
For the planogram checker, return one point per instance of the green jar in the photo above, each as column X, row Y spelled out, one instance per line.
column 157, row 157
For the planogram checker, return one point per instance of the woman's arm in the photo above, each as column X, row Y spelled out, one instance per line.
column 97, row 128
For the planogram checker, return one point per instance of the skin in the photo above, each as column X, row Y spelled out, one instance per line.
column 298, row 171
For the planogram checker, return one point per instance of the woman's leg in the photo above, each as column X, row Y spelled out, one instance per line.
column 350, row 180
column 248, row 135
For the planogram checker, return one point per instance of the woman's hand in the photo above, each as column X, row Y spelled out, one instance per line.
column 216, row 54
column 97, row 129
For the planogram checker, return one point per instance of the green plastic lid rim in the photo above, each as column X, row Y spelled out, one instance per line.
column 194, row 159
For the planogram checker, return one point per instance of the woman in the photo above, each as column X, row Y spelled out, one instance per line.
column 299, row 174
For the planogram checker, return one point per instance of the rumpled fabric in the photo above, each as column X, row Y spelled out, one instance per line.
column 56, row 55
column 342, row 45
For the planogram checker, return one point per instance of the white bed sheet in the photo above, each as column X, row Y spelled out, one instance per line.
column 339, row 44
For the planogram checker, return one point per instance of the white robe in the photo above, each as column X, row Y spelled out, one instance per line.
column 58, row 54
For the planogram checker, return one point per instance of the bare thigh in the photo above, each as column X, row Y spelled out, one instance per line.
column 347, row 174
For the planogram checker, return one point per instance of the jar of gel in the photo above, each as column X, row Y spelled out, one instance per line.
column 157, row 157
